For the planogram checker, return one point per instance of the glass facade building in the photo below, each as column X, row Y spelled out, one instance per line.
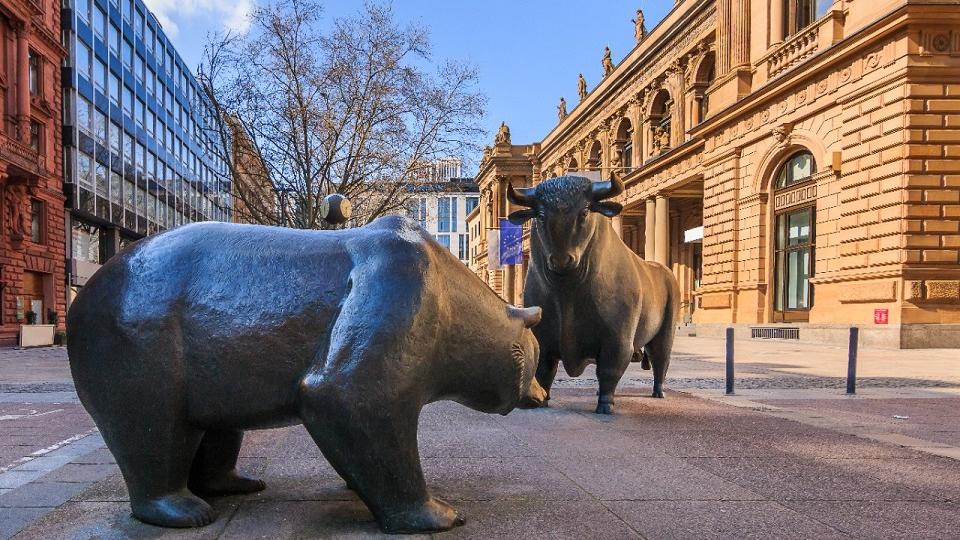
column 136, row 157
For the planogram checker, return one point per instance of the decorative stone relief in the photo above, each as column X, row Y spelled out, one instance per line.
column 942, row 290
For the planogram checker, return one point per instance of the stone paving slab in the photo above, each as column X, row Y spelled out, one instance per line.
column 681, row 467
column 29, row 428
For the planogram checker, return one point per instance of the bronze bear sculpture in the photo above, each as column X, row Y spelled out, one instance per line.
column 601, row 302
column 187, row 338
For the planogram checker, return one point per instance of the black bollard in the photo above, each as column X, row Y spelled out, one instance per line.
column 852, row 360
column 729, row 361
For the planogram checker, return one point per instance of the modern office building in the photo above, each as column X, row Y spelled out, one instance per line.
column 441, row 208
column 440, row 199
column 31, row 221
column 795, row 163
column 136, row 152
column 439, row 170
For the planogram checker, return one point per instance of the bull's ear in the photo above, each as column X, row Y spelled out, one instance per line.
column 520, row 216
column 607, row 208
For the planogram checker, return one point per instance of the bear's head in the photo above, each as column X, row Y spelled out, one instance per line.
column 501, row 377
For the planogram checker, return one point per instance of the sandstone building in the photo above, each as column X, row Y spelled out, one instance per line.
column 795, row 162
column 31, row 223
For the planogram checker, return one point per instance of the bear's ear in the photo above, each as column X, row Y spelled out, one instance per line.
column 529, row 315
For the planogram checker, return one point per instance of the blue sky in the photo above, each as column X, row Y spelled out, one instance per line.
column 528, row 53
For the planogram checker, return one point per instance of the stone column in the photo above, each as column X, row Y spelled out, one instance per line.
column 776, row 22
column 637, row 137
column 723, row 37
column 605, row 150
column 662, row 231
column 649, row 242
column 23, row 83
column 740, row 40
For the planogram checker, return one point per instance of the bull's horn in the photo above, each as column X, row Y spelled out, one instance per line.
column 605, row 190
column 522, row 196
column 529, row 315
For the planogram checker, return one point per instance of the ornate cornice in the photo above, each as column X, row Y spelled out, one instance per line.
column 636, row 72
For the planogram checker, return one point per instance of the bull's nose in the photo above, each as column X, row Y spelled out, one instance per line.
column 560, row 262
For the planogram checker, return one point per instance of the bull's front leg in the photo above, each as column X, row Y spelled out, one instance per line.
column 546, row 372
column 612, row 362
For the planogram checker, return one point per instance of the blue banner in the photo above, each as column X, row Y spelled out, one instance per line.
column 511, row 243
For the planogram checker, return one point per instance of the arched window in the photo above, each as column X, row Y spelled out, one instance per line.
column 660, row 123
column 798, row 168
column 624, row 146
column 794, row 243
column 799, row 14
column 706, row 73
column 593, row 158
column 572, row 165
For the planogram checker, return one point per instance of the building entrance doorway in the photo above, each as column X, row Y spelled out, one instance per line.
column 31, row 297
column 793, row 265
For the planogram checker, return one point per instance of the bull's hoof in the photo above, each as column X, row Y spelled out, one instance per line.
column 435, row 515
column 228, row 483
column 604, row 408
column 657, row 394
column 182, row 509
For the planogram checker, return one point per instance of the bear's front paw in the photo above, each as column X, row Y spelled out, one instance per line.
column 180, row 509
column 434, row 515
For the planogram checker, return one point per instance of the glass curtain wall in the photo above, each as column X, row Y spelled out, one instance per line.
column 136, row 157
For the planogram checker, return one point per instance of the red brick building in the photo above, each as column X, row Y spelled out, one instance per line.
column 32, row 236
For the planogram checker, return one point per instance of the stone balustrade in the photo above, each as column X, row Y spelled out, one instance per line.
column 804, row 44
column 793, row 51
column 21, row 155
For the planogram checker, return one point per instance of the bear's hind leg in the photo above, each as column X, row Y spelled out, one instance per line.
column 214, row 470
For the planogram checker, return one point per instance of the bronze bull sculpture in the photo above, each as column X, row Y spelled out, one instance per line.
column 601, row 302
column 188, row 338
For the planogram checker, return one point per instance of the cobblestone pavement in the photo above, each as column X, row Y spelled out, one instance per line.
column 790, row 450
column 680, row 467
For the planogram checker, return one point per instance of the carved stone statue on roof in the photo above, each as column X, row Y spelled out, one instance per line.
column 582, row 87
column 607, row 62
column 562, row 109
column 503, row 134
column 639, row 29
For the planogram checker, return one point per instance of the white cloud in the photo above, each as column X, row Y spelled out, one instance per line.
column 234, row 14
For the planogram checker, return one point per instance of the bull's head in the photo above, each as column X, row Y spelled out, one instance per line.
column 564, row 211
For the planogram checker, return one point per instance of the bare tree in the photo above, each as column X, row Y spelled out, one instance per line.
column 305, row 107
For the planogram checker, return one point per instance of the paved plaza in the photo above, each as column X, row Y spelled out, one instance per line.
column 789, row 456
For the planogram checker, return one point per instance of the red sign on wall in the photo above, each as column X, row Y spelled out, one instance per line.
column 881, row 316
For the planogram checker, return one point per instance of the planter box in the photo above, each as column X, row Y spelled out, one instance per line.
column 36, row 335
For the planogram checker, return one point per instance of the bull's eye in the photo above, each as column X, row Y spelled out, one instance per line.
column 540, row 216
